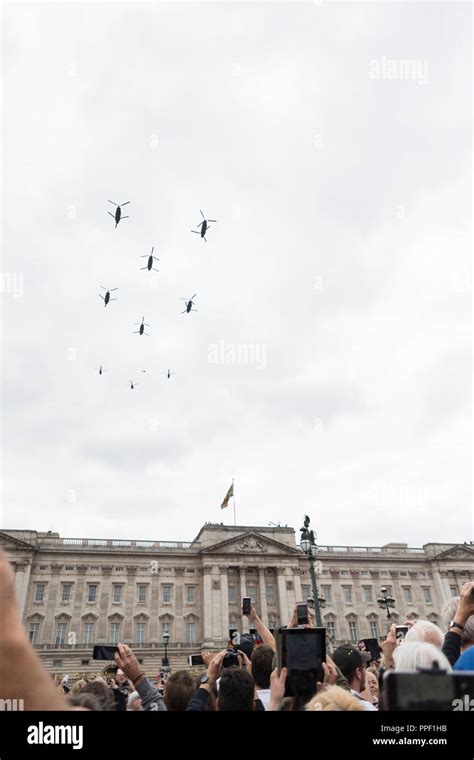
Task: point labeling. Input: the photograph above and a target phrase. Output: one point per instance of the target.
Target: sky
(327, 367)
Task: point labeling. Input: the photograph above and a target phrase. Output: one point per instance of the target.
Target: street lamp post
(385, 602)
(165, 662)
(308, 546)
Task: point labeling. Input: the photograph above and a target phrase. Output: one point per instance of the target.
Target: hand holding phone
(246, 605)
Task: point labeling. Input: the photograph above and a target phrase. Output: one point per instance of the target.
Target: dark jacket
(452, 646)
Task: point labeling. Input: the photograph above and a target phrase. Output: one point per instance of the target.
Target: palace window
(39, 592)
(92, 593)
(140, 633)
(61, 630)
(34, 632)
(66, 593)
(142, 593)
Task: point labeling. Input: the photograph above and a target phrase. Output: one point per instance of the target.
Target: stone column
(78, 605)
(216, 590)
(243, 592)
(262, 589)
(22, 580)
(129, 604)
(53, 588)
(297, 584)
(207, 606)
(282, 596)
(443, 593)
(104, 590)
(224, 604)
(180, 632)
(153, 604)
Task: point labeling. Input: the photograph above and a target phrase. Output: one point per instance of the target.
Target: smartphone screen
(372, 647)
(401, 632)
(246, 602)
(195, 659)
(302, 651)
(302, 613)
(103, 652)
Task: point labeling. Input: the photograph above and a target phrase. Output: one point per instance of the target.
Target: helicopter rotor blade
(124, 217)
(195, 232)
(194, 296)
(111, 289)
(124, 204)
(212, 220)
(113, 202)
(112, 215)
(202, 214)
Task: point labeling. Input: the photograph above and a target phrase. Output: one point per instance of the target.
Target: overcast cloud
(340, 258)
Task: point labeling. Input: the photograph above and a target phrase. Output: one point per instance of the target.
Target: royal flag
(228, 495)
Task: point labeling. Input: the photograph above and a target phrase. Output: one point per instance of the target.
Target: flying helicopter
(189, 304)
(101, 369)
(132, 384)
(150, 261)
(204, 225)
(107, 297)
(168, 373)
(118, 212)
(141, 329)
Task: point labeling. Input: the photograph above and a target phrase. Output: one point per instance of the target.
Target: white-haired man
(425, 630)
(413, 655)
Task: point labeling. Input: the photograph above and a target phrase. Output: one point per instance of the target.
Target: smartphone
(372, 647)
(195, 659)
(302, 651)
(231, 659)
(246, 602)
(427, 690)
(302, 613)
(103, 652)
(401, 632)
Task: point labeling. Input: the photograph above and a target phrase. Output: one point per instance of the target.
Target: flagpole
(233, 494)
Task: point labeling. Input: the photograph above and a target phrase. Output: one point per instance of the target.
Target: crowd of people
(247, 675)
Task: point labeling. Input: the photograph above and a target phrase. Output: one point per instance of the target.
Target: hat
(247, 643)
(348, 657)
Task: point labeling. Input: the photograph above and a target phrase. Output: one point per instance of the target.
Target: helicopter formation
(201, 230)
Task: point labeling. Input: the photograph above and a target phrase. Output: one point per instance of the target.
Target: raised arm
(264, 633)
(152, 699)
(22, 675)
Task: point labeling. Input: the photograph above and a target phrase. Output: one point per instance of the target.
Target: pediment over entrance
(251, 543)
(11, 542)
(460, 551)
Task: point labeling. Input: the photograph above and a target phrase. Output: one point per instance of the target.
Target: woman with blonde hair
(333, 698)
(78, 686)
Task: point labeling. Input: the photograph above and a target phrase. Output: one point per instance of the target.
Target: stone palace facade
(77, 592)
